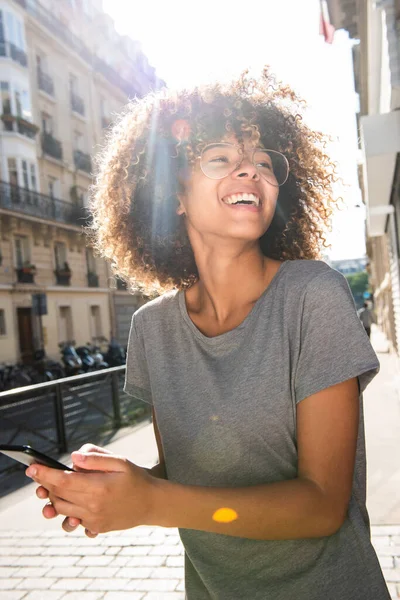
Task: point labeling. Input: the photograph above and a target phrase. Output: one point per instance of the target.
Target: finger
(57, 482)
(49, 512)
(42, 493)
(92, 448)
(70, 524)
(68, 509)
(90, 534)
(100, 462)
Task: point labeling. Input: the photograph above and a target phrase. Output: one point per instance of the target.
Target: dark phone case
(27, 455)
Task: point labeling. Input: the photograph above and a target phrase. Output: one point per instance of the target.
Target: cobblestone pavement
(145, 563)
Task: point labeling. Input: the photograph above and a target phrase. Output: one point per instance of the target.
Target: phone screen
(27, 456)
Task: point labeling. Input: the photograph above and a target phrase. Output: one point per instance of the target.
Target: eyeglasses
(220, 160)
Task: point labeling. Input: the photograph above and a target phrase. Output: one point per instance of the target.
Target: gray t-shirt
(226, 411)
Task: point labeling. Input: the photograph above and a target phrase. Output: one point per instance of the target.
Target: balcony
(121, 284)
(45, 82)
(93, 279)
(9, 50)
(77, 104)
(63, 276)
(82, 161)
(19, 125)
(26, 274)
(51, 146)
(27, 202)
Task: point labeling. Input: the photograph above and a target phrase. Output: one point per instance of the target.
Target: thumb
(93, 461)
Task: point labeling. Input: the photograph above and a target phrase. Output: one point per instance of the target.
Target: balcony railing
(82, 161)
(11, 51)
(45, 82)
(51, 146)
(21, 200)
(93, 279)
(19, 125)
(77, 104)
(59, 29)
(63, 277)
(26, 275)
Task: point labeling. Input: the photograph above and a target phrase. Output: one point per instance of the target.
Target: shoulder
(156, 309)
(313, 273)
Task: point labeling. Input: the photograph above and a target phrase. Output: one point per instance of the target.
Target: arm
(159, 469)
(312, 505)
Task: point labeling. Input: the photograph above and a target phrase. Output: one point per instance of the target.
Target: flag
(325, 27)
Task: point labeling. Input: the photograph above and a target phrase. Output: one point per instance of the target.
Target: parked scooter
(98, 356)
(88, 361)
(72, 362)
(115, 355)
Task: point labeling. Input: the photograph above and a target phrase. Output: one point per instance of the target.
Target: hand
(49, 512)
(92, 497)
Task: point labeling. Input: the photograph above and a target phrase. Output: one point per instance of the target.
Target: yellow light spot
(214, 417)
(225, 515)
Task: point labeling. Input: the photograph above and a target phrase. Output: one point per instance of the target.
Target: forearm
(290, 509)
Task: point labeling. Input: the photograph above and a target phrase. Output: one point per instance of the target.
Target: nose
(246, 170)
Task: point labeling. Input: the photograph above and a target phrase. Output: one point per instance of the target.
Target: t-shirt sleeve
(334, 346)
(137, 382)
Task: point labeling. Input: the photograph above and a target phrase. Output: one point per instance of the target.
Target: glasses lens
(219, 160)
(272, 165)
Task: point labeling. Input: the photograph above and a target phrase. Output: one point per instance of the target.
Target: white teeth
(235, 198)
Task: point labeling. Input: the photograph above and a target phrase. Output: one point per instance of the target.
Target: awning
(381, 143)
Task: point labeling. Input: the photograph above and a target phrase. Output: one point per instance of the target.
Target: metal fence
(57, 417)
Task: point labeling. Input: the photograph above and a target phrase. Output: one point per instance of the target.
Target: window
(22, 104)
(5, 96)
(60, 253)
(33, 178)
(78, 141)
(2, 322)
(73, 84)
(95, 322)
(47, 123)
(12, 171)
(25, 175)
(91, 261)
(54, 187)
(22, 251)
(14, 30)
(65, 324)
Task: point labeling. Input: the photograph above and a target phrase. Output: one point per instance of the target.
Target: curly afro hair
(134, 198)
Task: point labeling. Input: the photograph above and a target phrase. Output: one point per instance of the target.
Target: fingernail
(31, 472)
(79, 456)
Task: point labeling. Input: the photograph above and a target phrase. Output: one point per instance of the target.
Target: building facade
(64, 72)
(376, 24)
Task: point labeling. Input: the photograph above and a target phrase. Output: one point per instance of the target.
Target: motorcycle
(72, 362)
(115, 355)
(98, 357)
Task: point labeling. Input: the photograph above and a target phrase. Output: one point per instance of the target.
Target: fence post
(115, 399)
(60, 421)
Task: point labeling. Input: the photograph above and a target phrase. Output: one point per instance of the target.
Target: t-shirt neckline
(228, 335)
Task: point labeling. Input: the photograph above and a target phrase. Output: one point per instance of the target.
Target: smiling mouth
(243, 198)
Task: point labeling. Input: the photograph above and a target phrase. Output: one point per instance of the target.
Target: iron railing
(59, 416)
(82, 161)
(77, 104)
(28, 202)
(12, 51)
(51, 146)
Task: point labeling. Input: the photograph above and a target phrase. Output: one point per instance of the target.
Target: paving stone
(8, 571)
(44, 595)
(69, 584)
(134, 572)
(153, 585)
(95, 561)
(146, 561)
(12, 595)
(136, 550)
(119, 561)
(164, 596)
(168, 573)
(99, 572)
(113, 550)
(391, 575)
(61, 561)
(83, 596)
(108, 584)
(36, 583)
(9, 584)
(67, 572)
(385, 530)
(123, 596)
(7, 561)
(166, 551)
(175, 561)
(386, 562)
(32, 572)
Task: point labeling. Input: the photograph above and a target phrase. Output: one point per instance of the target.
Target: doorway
(25, 333)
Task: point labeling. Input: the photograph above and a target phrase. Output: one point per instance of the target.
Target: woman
(217, 199)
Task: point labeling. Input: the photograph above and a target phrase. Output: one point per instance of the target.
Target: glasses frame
(240, 162)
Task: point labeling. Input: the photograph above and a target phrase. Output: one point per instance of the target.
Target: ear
(181, 208)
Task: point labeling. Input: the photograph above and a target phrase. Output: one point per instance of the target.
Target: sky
(190, 42)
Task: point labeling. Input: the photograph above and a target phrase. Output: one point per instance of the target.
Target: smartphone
(27, 456)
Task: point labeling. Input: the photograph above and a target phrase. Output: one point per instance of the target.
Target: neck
(230, 280)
